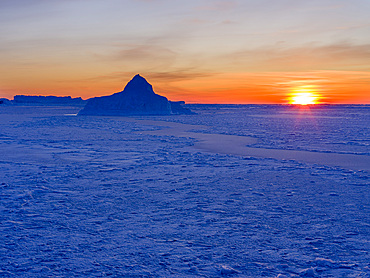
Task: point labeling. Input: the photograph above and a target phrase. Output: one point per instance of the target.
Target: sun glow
(304, 96)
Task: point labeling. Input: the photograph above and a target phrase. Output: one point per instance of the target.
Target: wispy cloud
(139, 57)
(218, 6)
(169, 76)
(340, 56)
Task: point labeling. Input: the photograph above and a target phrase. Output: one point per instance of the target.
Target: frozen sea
(233, 191)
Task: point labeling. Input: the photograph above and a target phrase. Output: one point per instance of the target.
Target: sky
(199, 51)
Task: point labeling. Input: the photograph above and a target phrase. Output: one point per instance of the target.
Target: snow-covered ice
(158, 196)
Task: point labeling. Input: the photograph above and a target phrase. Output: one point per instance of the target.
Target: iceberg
(5, 101)
(48, 100)
(137, 98)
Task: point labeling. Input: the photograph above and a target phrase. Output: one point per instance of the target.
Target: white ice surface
(121, 197)
(237, 145)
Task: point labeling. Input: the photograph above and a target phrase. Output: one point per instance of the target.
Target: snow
(158, 196)
(237, 145)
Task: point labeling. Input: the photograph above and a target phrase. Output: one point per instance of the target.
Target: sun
(303, 99)
(304, 96)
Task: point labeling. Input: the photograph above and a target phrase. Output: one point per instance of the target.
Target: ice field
(233, 191)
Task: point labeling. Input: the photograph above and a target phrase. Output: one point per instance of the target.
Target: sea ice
(130, 197)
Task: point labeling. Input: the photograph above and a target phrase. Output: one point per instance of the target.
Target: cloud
(145, 52)
(180, 75)
(161, 77)
(139, 56)
(218, 6)
(340, 56)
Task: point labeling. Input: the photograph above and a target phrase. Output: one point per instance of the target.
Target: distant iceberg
(5, 101)
(137, 98)
(48, 100)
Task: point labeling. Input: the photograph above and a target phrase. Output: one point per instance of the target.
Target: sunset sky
(200, 51)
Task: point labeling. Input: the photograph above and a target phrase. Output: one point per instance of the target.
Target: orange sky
(198, 51)
(243, 88)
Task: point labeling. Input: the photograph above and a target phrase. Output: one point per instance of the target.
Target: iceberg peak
(138, 86)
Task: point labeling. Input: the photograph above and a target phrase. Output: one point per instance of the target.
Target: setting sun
(303, 96)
